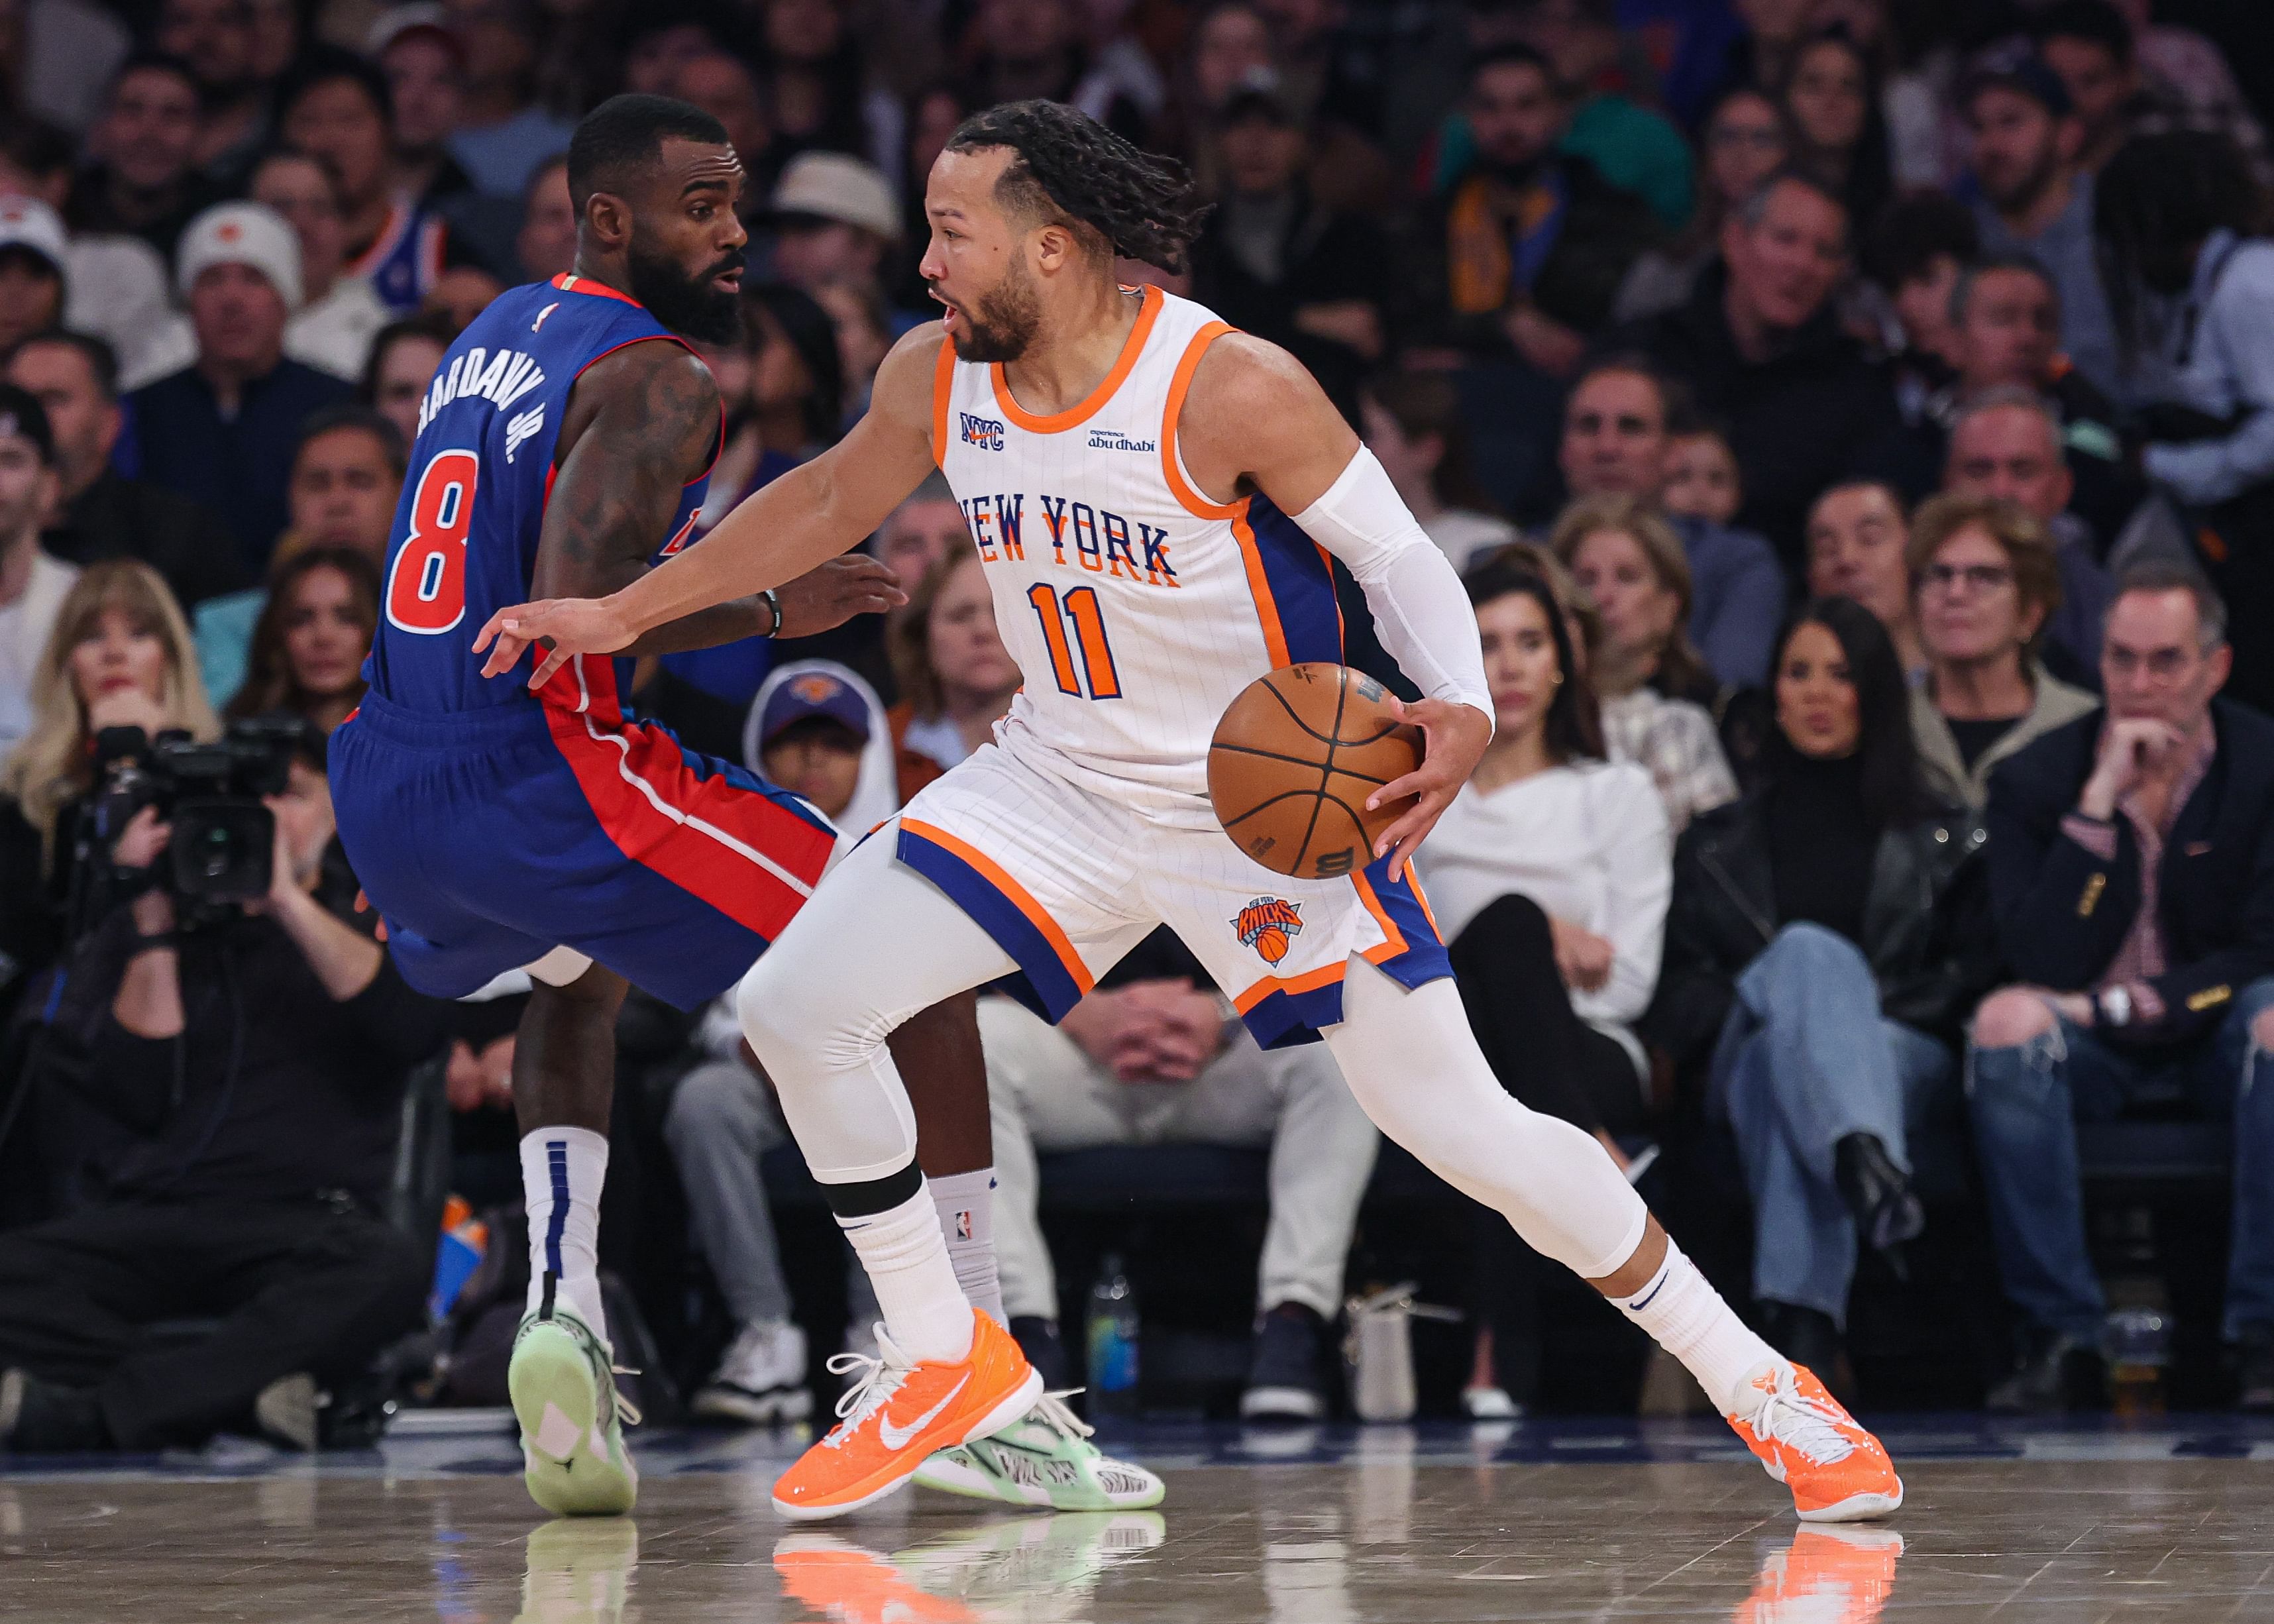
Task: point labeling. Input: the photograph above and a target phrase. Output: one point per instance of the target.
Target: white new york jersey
(1136, 607)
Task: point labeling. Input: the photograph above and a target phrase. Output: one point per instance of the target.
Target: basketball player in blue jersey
(1150, 491)
(564, 446)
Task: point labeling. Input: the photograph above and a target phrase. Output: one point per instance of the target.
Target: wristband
(151, 943)
(774, 603)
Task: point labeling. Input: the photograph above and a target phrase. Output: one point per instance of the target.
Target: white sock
(562, 1170)
(905, 1255)
(1691, 1323)
(967, 1217)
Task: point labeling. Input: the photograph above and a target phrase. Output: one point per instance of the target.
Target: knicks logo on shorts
(1266, 923)
(984, 432)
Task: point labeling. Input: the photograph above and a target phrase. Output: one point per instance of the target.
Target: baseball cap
(835, 187)
(2014, 65)
(23, 417)
(30, 224)
(249, 234)
(424, 17)
(810, 694)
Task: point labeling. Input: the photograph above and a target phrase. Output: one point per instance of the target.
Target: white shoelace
(879, 1380)
(1051, 1411)
(626, 1410)
(1804, 1424)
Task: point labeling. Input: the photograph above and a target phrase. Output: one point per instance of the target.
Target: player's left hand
(1456, 736)
(835, 593)
(568, 625)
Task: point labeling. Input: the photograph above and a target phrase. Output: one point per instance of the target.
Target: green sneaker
(572, 1438)
(1044, 1461)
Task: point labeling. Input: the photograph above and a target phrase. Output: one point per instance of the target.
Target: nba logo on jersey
(984, 433)
(963, 1226)
(1266, 924)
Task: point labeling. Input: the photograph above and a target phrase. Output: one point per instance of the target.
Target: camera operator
(257, 1052)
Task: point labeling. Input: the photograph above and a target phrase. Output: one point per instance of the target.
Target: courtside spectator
(214, 38)
(1760, 348)
(338, 108)
(955, 677)
(144, 181)
(925, 529)
(100, 513)
(1274, 260)
(1913, 256)
(220, 431)
(32, 287)
(546, 242)
(33, 585)
(404, 354)
(1617, 439)
(2007, 442)
(1703, 480)
(258, 1065)
(117, 655)
(339, 314)
(1413, 423)
(425, 70)
(1832, 96)
(1858, 548)
(1985, 583)
(1525, 252)
(1818, 969)
(2034, 199)
(1549, 876)
(2090, 45)
(2130, 857)
(834, 218)
(1746, 140)
(1154, 1056)
(346, 480)
(115, 285)
(2185, 240)
(1655, 695)
(501, 133)
(309, 644)
(816, 730)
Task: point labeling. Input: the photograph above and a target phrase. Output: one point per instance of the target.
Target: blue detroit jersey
(464, 540)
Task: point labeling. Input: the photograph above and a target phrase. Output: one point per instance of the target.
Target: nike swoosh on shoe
(896, 1438)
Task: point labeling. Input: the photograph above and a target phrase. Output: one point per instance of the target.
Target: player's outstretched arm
(798, 523)
(1256, 419)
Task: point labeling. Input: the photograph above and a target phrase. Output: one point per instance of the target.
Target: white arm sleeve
(1419, 607)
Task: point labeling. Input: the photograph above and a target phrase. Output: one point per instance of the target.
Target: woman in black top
(1817, 965)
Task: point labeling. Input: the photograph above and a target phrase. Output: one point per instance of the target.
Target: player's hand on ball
(566, 625)
(1456, 736)
(834, 594)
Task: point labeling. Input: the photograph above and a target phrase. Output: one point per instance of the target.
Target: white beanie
(249, 234)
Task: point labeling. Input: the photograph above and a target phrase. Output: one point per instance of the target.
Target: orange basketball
(1294, 759)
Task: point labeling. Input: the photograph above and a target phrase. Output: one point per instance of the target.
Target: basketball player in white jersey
(1155, 497)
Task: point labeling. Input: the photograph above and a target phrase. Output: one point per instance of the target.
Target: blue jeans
(1804, 1060)
(2027, 1102)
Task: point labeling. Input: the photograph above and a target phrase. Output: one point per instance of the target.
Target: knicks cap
(23, 417)
(30, 225)
(808, 694)
(836, 187)
(249, 234)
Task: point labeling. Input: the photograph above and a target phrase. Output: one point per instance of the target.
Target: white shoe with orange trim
(1837, 1472)
(899, 1413)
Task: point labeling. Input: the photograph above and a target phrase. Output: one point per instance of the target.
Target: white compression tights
(878, 942)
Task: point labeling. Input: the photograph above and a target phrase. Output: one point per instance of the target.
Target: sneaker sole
(550, 1382)
(1281, 1404)
(1020, 1401)
(1857, 1508)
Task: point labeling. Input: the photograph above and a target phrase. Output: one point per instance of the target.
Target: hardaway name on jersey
(464, 541)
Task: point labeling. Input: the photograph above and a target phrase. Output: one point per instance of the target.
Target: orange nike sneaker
(899, 1413)
(1846, 1574)
(1836, 1471)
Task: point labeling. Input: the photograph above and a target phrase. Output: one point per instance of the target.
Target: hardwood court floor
(1571, 1521)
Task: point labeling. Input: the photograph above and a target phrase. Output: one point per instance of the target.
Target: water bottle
(1378, 1351)
(2137, 1344)
(1114, 1329)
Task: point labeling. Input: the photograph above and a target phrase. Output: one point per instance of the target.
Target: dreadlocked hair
(1068, 167)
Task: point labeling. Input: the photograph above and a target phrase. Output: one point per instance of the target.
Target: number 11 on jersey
(1080, 608)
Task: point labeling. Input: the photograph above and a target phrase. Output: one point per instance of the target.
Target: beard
(693, 307)
(1003, 324)
(2026, 186)
(1518, 174)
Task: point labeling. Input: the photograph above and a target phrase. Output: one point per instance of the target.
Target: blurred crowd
(1854, 421)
